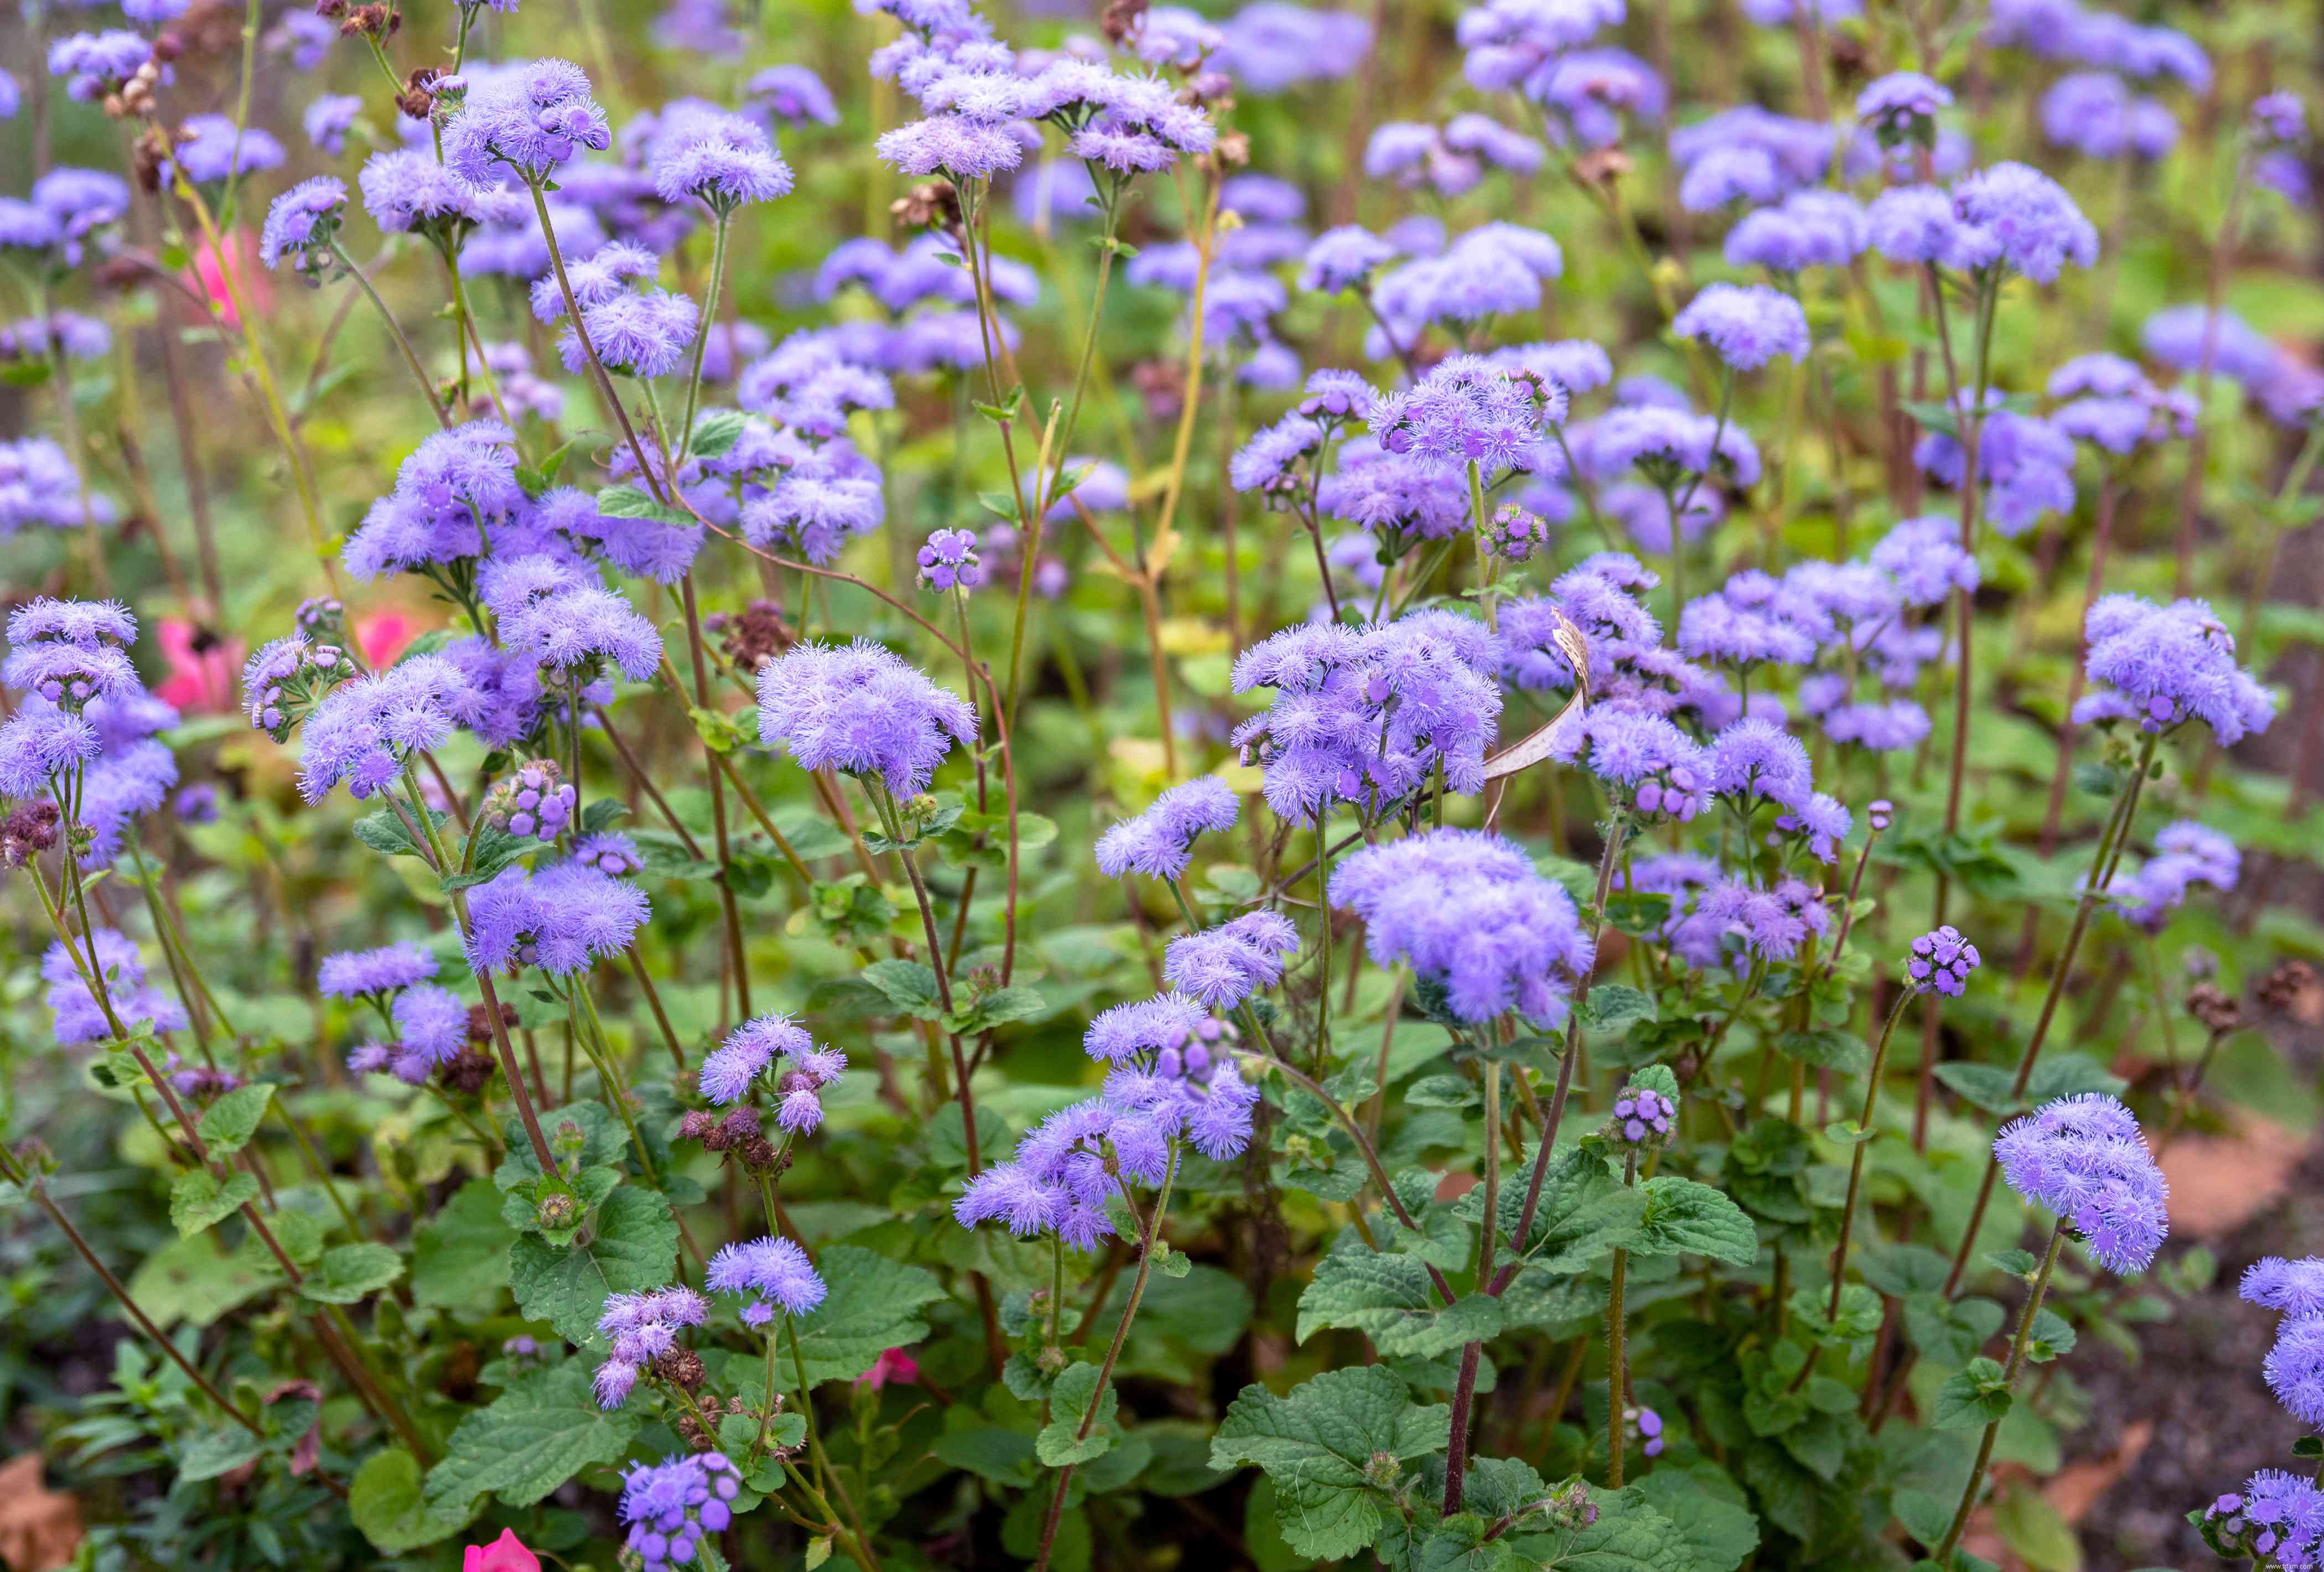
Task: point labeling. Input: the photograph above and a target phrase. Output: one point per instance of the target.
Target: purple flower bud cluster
(948, 560)
(769, 1275)
(1941, 961)
(863, 710)
(671, 1505)
(2163, 666)
(1662, 769)
(1160, 843)
(639, 1329)
(1641, 1118)
(1172, 1062)
(2085, 1159)
(1515, 533)
(534, 801)
(777, 1050)
(302, 224)
(1365, 716)
(1225, 965)
(1902, 107)
(609, 852)
(1479, 927)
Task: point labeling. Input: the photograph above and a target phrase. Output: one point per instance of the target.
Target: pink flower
(505, 1554)
(382, 636)
(208, 277)
(202, 668)
(895, 1365)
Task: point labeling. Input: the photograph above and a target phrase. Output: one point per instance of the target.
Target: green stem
(2017, 1346)
(709, 323)
(1863, 1141)
(1617, 1374)
(395, 331)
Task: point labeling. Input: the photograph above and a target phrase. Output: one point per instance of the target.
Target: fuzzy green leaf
(352, 1272)
(228, 1123)
(873, 1305)
(1976, 1395)
(387, 1503)
(1391, 1300)
(545, 1429)
(1317, 1444)
(197, 1201)
(633, 1248)
(1682, 1215)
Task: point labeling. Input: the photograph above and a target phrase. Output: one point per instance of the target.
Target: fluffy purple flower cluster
(373, 974)
(2277, 1519)
(1365, 716)
(1482, 931)
(1065, 1171)
(1941, 960)
(753, 1051)
(1225, 965)
(1746, 325)
(2111, 405)
(533, 120)
(431, 1029)
(671, 1505)
(723, 161)
(2163, 666)
(1172, 1061)
(2007, 216)
(767, 1275)
(863, 710)
(67, 208)
(1160, 842)
(363, 733)
(2025, 464)
(303, 223)
(2085, 1159)
(639, 1329)
(1661, 769)
(2295, 1365)
(642, 332)
(1810, 228)
(2186, 854)
(78, 1016)
(562, 918)
(1469, 411)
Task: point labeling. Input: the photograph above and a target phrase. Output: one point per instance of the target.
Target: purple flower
(1469, 411)
(1482, 931)
(1063, 1175)
(1748, 154)
(1594, 88)
(2293, 1287)
(792, 94)
(1641, 1120)
(1772, 922)
(534, 120)
(406, 190)
(1918, 224)
(362, 734)
(430, 1023)
(1902, 106)
(952, 145)
(1941, 960)
(212, 147)
(1342, 259)
(2034, 225)
(2295, 1368)
(1754, 619)
(1813, 229)
(2165, 665)
(1159, 842)
(574, 633)
(1225, 964)
(2085, 1158)
(1821, 821)
(723, 160)
(2278, 1519)
(1366, 715)
(356, 973)
(769, 1275)
(862, 709)
(1669, 444)
(2280, 117)
(304, 220)
(1664, 769)
(2186, 854)
(95, 64)
(328, 119)
(1271, 45)
(1269, 462)
(78, 1018)
(533, 801)
(1390, 494)
(1493, 269)
(1136, 1032)
(1757, 758)
(2185, 338)
(561, 919)
(455, 486)
(949, 559)
(1925, 556)
(1746, 324)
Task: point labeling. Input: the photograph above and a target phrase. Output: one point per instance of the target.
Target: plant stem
(709, 323)
(395, 331)
(646, 471)
(2018, 1345)
(1863, 1141)
(1617, 1373)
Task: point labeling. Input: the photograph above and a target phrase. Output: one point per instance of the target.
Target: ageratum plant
(1478, 787)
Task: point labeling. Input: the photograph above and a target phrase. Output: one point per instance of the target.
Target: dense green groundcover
(309, 1273)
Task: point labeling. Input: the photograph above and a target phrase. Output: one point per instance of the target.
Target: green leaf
(633, 1248)
(715, 432)
(387, 1504)
(999, 1456)
(197, 1201)
(1391, 1300)
(909, 985)
(1317, 1444)
(1613, 1007)
(2052, 1337)
(2069, 1075)
(352, 1272)
(1976, 1394)
(2037, 1531)
(2015, 1263)
(545, 1429)
(1630, 1535)
(1682, 1215)
(998, 1008)
(383, 832)
(1443, 1092)
(1586, 1212)
(947, 1147)
(228, 1123)
(1827, 1050)
(26, 373)
(1709, 1510)
(214, 1453)
(460, 1256)
(1982, 1085)
(1060, 1442)
(872, 1305)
